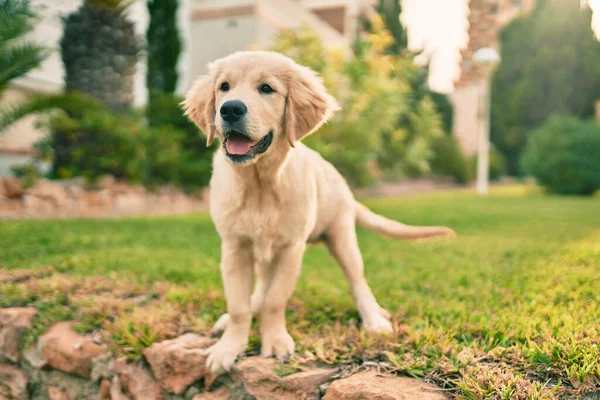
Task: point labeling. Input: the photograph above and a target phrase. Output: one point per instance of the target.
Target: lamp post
(487, 59)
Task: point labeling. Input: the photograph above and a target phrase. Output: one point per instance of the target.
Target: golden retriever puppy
(270, 195)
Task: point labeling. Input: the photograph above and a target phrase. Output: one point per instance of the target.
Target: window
(334, 17)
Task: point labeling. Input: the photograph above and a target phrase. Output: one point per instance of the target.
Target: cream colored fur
(268, 209)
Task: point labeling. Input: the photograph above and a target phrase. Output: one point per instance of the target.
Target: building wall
(234, 25)
(217, 37)
(22, 135)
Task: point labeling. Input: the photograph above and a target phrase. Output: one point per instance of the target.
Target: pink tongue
(238, 146)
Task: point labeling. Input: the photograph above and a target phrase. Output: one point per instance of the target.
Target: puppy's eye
(266, 89)
(224, 87)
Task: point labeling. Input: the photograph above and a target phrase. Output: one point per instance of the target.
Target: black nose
(233, 110)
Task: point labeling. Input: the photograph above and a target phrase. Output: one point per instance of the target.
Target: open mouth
(240, 148)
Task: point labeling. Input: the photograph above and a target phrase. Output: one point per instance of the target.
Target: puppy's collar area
(239, 148)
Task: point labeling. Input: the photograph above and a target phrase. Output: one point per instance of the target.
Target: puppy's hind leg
(343, 245)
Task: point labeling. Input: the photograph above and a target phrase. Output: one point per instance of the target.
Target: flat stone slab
(370, 385)
(13, 323)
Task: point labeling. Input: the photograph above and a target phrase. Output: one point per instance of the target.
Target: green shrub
(88, 139)
(564, 155)
(448, 160)
(497, 165)
(380, 129)
(92, 141)
(194, 159)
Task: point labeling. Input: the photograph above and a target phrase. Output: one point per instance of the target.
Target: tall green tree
(164, 46)
(551, 65)
(17, 57)
(390, 11)
(100, 51)
(364, 139)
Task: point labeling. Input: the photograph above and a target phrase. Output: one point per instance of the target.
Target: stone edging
(65, 365)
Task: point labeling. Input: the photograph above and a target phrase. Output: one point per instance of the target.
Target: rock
(308, 382)
(257, 376)
(37, 205)
(34, 358)
(103, 367)
(104, 389)
(75, 191)
(42, 378)
(105, 182)
(220, 394)
(51, 191)
(63, 349)
(11, 188)
(178, 363)
(57, 393)
(11, 206)
(13, 383)
(13, 323)
(370, 385)
(115, 391)
(191, 392)
(78, 181)
(136, 382)
(129, 202)
(90, 199)
(258, 379)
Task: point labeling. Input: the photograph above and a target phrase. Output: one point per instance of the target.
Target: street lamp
(487, 59)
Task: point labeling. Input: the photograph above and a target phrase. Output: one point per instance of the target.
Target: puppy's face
(256, 102)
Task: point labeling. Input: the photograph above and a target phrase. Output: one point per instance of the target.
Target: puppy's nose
(233, 110)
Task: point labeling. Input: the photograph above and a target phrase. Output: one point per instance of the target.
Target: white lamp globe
(486, 57)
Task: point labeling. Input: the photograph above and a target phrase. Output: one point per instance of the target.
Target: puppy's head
(255, 102)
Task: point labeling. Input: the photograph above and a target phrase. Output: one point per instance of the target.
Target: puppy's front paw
(377, 323)
(223, 354)
(277, 343)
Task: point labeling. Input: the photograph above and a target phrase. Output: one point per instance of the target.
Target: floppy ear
(199, 106)
(308, 104)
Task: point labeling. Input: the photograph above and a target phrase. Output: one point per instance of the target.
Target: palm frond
(43, 104)
(16, 61)
(13, 112)
(16, 19)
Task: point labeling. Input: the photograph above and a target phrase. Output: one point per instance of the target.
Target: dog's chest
(265, 217)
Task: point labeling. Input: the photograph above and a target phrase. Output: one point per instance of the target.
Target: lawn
(509, 306)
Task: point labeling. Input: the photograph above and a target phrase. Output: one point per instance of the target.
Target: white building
(209, 28)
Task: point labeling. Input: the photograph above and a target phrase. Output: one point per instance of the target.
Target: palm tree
(17, 57)
(100, 50)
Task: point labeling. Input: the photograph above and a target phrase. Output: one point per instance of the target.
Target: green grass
(510, 308)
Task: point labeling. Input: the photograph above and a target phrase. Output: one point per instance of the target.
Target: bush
(194, 160)
(365, 139)
(87, 139)
(563, 155)
(448, 160)
(497, 165)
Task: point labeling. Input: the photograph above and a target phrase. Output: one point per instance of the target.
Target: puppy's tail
(395, 230)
